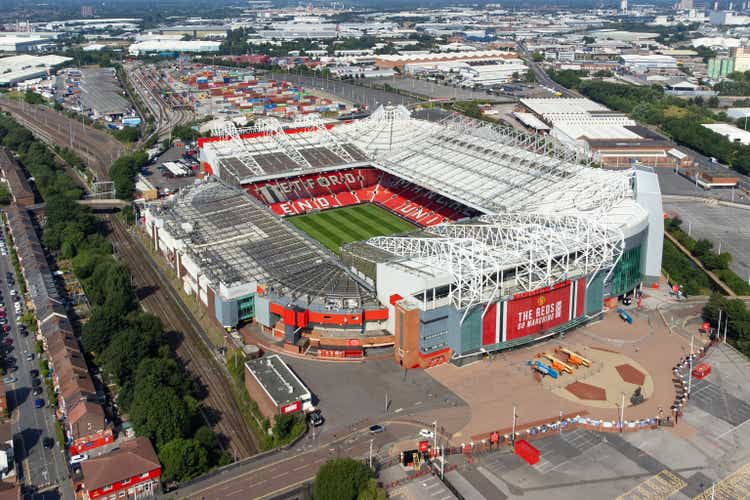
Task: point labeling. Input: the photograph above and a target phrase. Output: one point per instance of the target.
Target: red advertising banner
(291, 407)
(424, 446)
(532, 314)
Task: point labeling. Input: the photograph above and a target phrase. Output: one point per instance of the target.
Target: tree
(159, 413)
(372, 491)
(341, 479)
(183, 459)
(283, 425)
(537, 56)
(32, 97)
(5, 197)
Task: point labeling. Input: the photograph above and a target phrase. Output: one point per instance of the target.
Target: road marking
(285, 488)
(300, 467)
(399, 410)
(235, 492)
(732, 429)
(282, 474)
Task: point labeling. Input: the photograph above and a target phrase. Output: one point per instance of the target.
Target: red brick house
(132, 471)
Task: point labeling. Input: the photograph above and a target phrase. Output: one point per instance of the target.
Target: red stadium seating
(321, 191)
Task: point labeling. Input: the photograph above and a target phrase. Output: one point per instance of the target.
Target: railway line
(98, 149)
(164, 303)
(167, 117)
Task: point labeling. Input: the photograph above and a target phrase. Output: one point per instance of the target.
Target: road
(38, 466)
(280, 472)
(220, 409)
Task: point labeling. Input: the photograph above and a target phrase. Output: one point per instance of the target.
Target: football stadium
(445, 239)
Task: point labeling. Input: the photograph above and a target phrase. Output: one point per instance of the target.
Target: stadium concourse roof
(236, 241)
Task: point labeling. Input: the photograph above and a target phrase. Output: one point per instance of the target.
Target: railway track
(167, 305)
(166, 117)
(98, 149)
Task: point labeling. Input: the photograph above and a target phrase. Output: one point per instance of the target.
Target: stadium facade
(517, 237)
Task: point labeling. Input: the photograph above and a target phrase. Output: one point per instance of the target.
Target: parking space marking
(658, 487)
(736, 485)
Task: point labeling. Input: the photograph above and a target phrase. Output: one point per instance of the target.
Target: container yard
(217, 91)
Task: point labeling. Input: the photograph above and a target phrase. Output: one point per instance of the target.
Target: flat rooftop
(281, 385)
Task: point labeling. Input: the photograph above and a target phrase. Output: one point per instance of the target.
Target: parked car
(7, 341)
(36, 382)
(39, 403)
(48, 442)
(76, 459)
(376, 429)
(37, 391)
(6, 329)
(10, 380)
(316, 418)
(29, 356)
(34, 372)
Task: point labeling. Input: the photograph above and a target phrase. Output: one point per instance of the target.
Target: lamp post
(513, 429)
(690, 373)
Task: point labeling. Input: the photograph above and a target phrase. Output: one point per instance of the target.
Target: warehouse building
(17, 69)
(610, 137)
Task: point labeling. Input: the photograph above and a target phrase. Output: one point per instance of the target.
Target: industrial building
(731, 132)
(642, 63)
(275, 388)
(17, 69)
(518, 237)
(23, 42)
(172, 46)
(401, 60)
(610, 137)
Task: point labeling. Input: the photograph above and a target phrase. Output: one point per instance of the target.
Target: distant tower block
(623, 6)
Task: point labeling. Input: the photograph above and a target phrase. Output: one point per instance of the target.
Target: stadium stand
(321, 191)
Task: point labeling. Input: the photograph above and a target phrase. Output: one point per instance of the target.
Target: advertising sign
(291, 407)
(531, 314)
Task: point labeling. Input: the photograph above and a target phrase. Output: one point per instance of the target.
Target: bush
(341, 479)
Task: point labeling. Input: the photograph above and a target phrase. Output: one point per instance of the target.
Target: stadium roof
(254, 246)
(488, 168)
(500, 255)
(550, 215)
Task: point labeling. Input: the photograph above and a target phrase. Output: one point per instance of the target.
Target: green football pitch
(338, 226)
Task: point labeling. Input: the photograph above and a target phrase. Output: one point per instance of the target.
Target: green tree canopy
(341, 479)
(183, 459)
